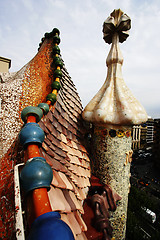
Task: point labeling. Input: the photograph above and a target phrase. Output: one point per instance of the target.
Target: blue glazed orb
(30, 110)
(44, 107)
(37, 173)
(31, 132)
(50, 226)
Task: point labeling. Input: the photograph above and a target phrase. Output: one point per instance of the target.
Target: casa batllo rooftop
(65, 170)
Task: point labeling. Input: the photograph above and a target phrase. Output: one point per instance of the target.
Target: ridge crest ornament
(117, 22)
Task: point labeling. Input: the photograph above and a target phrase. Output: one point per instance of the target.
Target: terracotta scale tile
(50, 153)
(63, 161)
(85, 164)
(63, 199)
(59, 128)
(60, 152)
(57, 197)
(41, 124)
(77, 115)
(66, 220)
(80, 221)
(87, 172)
(61, 184)
(56, 165)
(74, 138)
(65, 113)
(66, 181)
(76, 202)
(50, 116)
(75, 145)
(63, 137)
(76, 191)
(73, 177)
(54, 140)
(64, 122)
(79, 181)
(55, 200)
(46, 140)
(52, 130)
(52, 108)
(87, 182)
(69, 110)
(64, 130)
(45, 146)
(81, 171)
(54, 182)
(67, 84)
(72, 169)
(47, 124)
(69, 143)
(76, 170)
(69, 199)
(67, 96)
(64, 147)
(55, 122)
(82, 193)
(58, 106)
(77, 153)
(82, 148)
(75, 126)
(56, 114)
(74, 159)
(73, 222)
(85, 156)
(59, 103)
(70, 135)
(52, 147)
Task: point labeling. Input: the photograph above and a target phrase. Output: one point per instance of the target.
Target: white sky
(24, 22)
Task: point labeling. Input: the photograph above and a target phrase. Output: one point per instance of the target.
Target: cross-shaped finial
(117, 22)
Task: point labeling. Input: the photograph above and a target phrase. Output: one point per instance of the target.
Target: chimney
(113, 111)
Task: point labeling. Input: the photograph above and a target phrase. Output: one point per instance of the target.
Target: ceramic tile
(76, 227)
(61, 184)
(66, 181)
(80, 221)
(55, 200)
(69, 200)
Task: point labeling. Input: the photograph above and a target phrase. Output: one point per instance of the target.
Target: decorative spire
(114, 104)
(116, 22)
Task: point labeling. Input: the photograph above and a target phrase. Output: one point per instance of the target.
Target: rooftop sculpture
(114, 103)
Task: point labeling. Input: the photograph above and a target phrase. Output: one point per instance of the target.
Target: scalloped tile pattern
(63, 149)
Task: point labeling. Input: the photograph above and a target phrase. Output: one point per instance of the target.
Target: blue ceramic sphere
(37, 173)
(50, 226)
(31, 132)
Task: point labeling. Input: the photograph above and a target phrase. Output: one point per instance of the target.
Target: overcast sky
(24, 22)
